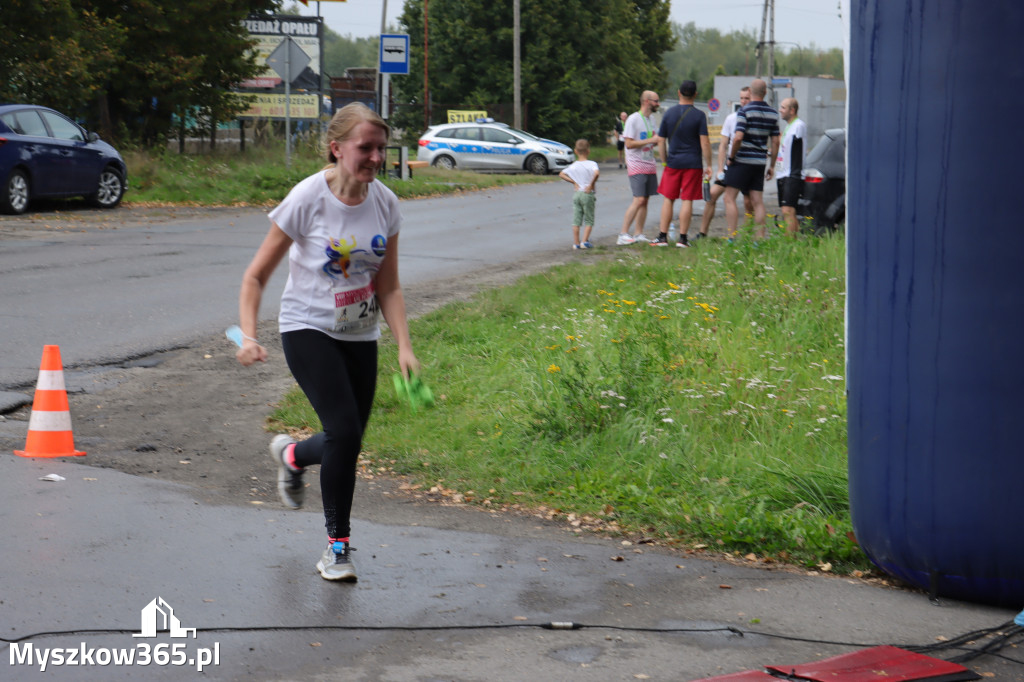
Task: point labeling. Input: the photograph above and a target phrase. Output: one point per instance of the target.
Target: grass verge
(692, 397)
(260, 177)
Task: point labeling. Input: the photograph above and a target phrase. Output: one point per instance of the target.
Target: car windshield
(525, 134)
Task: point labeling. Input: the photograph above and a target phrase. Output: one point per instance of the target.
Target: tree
(582, 61)
(179, 54)
(56, 54)
(343, 52)
(128, 65)
(809, 61)
(701, 53)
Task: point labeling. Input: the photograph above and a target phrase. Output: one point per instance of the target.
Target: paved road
(107, 291)
(433, 602)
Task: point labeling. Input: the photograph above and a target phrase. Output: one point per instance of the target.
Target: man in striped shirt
(756, 142)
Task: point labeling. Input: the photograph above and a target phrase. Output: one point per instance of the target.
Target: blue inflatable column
(935, 291)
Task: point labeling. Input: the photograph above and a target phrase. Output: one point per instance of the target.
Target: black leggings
(339, 379)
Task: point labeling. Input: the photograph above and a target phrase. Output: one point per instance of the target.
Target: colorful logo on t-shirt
(339, 256)
(344, 259)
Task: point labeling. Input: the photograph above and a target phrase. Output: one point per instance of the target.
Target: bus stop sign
(394, 53)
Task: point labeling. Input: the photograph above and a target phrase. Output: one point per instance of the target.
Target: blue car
(45, 154)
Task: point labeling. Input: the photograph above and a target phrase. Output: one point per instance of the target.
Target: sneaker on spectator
(576, 247)
(660, 241)
(699, 236)
(640, 238)
(336, 564)
(683, 245)
(586, 245)
(624, 239)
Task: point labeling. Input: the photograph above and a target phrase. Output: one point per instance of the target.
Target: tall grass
(695, 396)
(261, 176)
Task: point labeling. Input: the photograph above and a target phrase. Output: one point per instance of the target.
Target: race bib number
(355, 310)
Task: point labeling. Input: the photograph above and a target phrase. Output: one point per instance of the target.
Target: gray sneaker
(289, 482)
(335, 563)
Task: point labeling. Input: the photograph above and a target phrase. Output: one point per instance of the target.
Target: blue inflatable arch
(935, 291)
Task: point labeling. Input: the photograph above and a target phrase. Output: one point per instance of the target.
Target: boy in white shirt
(582, 173)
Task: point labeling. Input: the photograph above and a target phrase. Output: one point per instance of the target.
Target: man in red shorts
(683, 144)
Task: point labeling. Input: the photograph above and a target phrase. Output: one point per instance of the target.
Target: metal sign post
(286, 59)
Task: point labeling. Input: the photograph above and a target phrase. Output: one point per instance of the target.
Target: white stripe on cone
(49, 421)
(50, 380)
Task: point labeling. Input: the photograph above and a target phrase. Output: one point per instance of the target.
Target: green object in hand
(414, 390)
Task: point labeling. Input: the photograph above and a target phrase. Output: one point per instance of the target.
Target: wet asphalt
(83, 556)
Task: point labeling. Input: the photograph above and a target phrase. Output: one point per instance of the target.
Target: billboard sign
(273, 105)
(270, 32)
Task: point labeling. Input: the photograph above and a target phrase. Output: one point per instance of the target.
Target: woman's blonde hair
(345, 121)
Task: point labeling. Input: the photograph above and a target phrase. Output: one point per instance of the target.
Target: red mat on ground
(748, 676)
(881, 662)
(888, 663)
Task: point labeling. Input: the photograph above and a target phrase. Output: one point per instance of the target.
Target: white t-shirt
(334, 258)
(641, 159)
(582, 172)
(795, 129)
(728, 131)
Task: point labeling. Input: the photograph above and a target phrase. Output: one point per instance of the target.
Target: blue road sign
(394, 53)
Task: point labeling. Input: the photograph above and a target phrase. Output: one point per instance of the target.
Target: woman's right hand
(251, 352)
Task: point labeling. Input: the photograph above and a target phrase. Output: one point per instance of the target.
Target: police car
(486, 145)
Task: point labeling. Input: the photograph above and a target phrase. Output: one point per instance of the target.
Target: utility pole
(771, 53)
(761, 42)
(517, 106)
(767, 38)
(426, 54)
(381, 89)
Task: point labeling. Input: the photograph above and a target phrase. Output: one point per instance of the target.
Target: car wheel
(445, 162)
(111, 189)
(15, 195)
(537, 165)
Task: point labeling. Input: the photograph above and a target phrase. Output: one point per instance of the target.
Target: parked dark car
(824, 174)
(45, 154)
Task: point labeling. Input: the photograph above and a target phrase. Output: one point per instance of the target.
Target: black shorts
(789, 191)
(721, 183)
(622, 145)
(746, 177)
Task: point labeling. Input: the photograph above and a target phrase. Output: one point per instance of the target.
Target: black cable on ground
(1000, 637)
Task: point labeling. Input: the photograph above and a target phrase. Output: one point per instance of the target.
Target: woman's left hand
(408, 363)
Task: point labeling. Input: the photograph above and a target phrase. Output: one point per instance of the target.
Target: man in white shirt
(641, 140)
(718, 186)
(790, 161)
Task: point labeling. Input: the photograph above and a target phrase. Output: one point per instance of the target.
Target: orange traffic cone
(49, 427)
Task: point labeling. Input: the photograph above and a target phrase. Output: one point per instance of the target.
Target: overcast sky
(800, 22)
